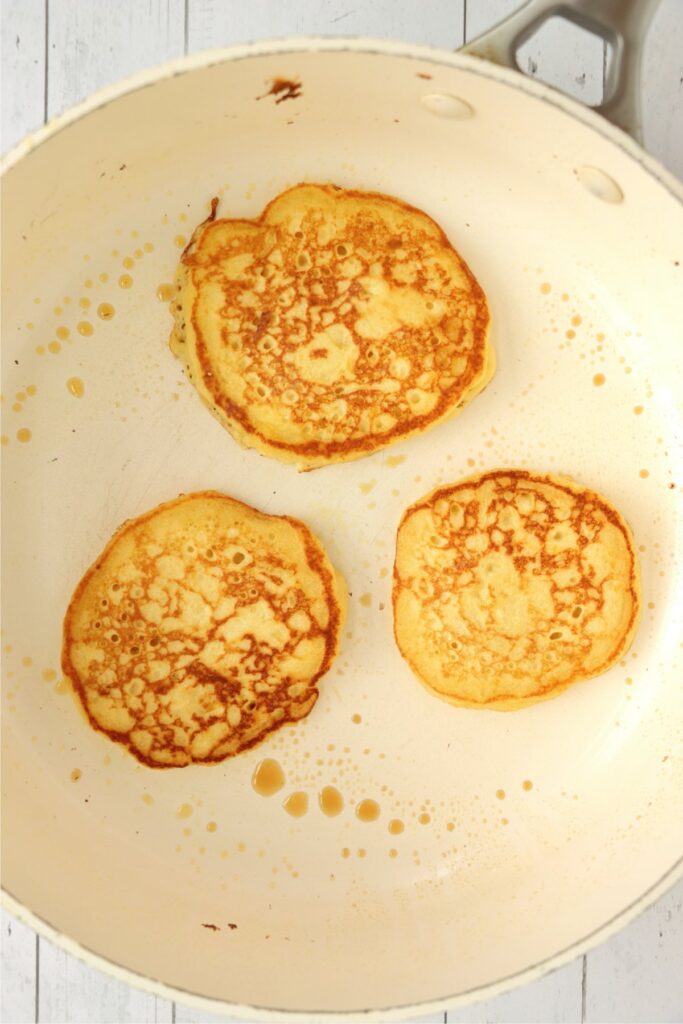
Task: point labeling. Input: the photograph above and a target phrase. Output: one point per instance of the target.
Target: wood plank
(481, 15)
(187, 1015)
(663, 86)
(23, 69)
(560, 54)
(94, 42)
(219, 23)
(18, 978)
(69, 991)
(551, 1000)
(637, 976)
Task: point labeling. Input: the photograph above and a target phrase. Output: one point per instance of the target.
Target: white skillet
(577, 237)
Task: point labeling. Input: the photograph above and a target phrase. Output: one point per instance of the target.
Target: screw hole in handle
(621, 23)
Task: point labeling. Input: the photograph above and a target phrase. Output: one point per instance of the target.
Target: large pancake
(203, 626)
(511, 586)
(331, 326)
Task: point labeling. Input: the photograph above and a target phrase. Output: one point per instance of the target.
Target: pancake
(203, 626)
(335, 324)
(511, 586)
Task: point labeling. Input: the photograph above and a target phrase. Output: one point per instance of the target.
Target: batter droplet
(268, 777)
(368, 810)
(331, 801)
(296, 804)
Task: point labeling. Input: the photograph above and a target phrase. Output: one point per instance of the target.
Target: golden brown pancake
(511, 586)
(203, 626)
(335, 324)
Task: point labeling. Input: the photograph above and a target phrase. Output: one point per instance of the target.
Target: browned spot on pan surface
(283, 89)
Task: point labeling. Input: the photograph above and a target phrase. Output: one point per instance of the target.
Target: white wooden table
(54, 53)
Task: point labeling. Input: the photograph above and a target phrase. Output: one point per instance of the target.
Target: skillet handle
(622, 23)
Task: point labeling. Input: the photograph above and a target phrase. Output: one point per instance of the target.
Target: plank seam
(47, 59)
(584, 976)
(37, 985)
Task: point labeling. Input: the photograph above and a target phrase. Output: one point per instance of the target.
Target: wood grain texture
(186, 1015)
(94, 42)
(663, 89)
(217, 22)
(18, 979)
(69, 992)
(22, 31)
(638, 975)
(555, 999)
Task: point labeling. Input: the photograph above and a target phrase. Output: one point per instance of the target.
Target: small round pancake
(335, 324)
(511, 586)
(203, 626)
